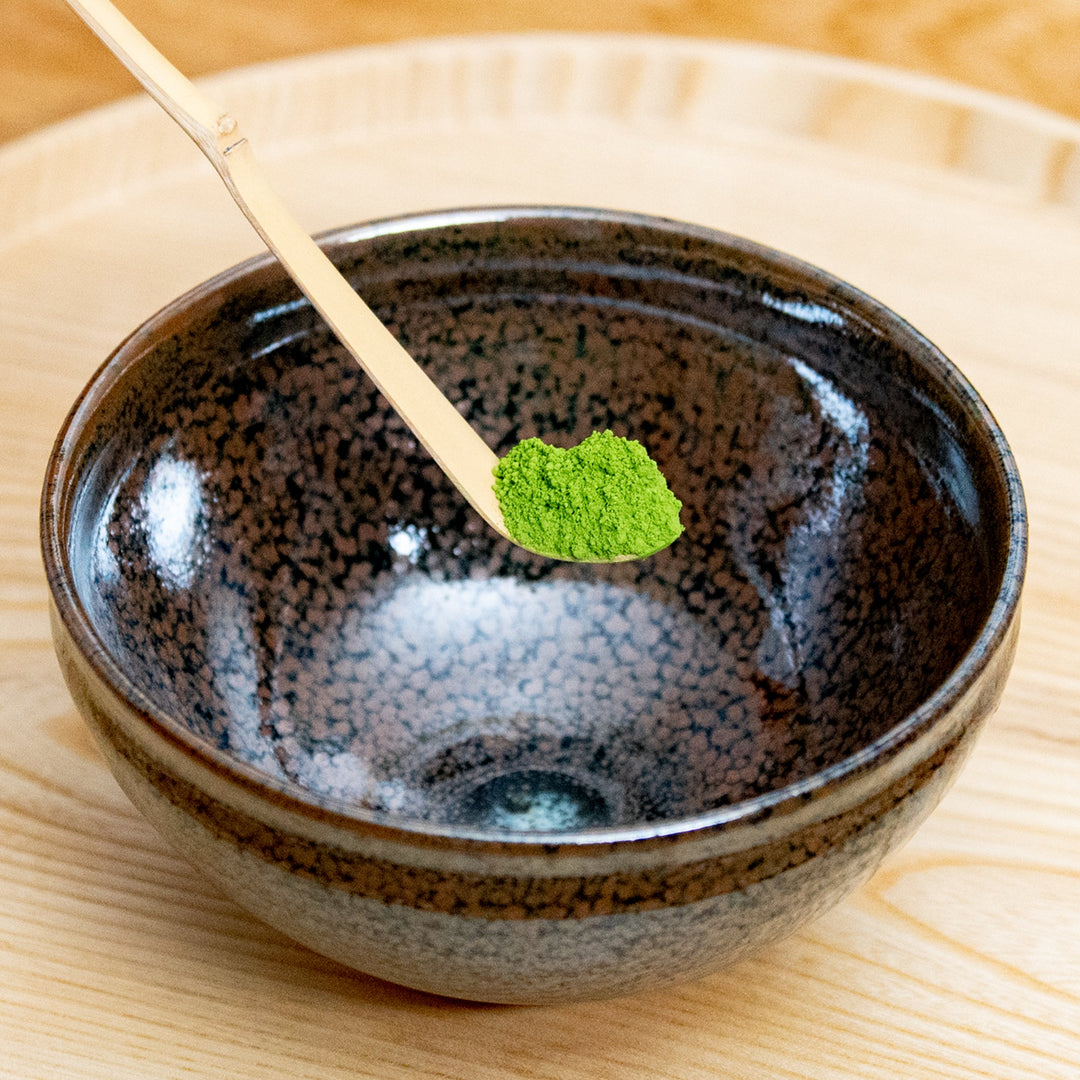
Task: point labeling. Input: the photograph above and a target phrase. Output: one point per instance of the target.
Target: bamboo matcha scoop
(554, 498)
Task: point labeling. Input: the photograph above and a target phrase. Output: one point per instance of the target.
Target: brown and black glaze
(290, 630)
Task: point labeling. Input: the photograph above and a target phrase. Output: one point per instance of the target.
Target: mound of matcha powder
(601, 500)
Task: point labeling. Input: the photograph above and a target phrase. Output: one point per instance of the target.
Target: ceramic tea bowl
(449, 763)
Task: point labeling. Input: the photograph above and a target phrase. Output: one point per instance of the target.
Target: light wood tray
(961, 958)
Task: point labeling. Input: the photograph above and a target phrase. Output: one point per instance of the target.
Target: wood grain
(961, 958)
(1030, 49)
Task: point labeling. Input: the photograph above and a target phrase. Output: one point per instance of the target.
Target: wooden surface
(961, 958)
(1024, 48)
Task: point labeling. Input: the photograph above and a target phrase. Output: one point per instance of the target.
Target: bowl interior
(273, 566)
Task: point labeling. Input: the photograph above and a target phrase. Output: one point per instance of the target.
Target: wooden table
(1024, 48)
(961, 958)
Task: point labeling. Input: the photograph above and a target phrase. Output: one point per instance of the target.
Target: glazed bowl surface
(442, 760)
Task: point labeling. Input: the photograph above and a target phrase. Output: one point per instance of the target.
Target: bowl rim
(916, 724)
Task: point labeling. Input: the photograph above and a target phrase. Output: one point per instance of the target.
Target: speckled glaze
(452, 764)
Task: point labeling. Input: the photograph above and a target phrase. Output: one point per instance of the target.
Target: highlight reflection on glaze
(171, 506)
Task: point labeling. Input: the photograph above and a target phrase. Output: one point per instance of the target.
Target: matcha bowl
(446, 762)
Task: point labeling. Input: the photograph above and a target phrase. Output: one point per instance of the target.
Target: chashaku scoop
(441, 429)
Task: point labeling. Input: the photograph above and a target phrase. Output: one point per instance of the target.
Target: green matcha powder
(602, 500)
